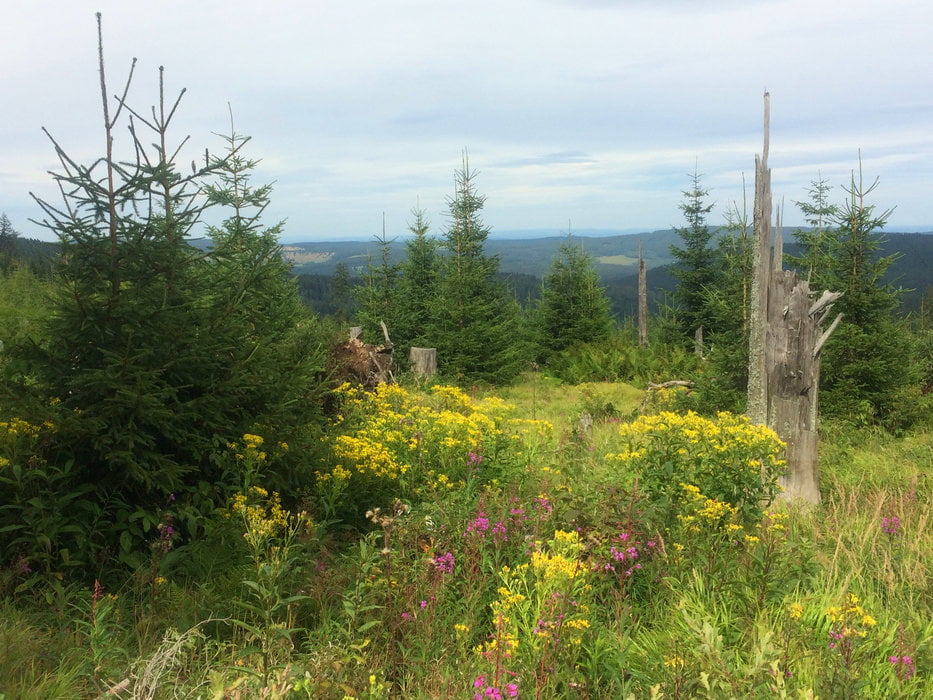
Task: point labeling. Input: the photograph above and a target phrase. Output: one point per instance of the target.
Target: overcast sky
(582, 113)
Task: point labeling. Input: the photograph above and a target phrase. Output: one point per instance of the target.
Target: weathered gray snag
(761, 259)
(785, 340)
(642, 301)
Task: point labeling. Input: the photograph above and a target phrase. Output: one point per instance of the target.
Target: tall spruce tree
(867, 361)
(341, 293)
(475, 319)
(726, 305)
(819, 214)
(8, 243)
(695, 262)
(573, 307)
(266, 352)
(164, 352)
(418, 283)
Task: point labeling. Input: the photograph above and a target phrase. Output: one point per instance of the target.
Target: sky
(576, 114)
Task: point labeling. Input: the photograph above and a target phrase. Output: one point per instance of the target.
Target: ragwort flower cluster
(727, 459)
(542, 610)
(413, 444)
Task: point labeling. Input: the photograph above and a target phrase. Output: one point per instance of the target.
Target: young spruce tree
(418, 283)
(695, 264)
(162, 352)
(377, 298)
(573, 308)
(475, 325)
(867, 361)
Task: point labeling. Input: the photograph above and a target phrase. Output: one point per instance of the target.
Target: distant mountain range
(613, 253)
(525, 259)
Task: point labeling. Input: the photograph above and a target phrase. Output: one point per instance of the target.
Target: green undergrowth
(543, 541)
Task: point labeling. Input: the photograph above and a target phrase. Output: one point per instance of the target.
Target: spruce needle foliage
(158, 353)
(867, 362)
(419, 279)
(694, 262)
(573, 308)
(475, 318)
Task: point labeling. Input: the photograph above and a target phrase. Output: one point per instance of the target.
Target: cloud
(589, 108)
(562, 157)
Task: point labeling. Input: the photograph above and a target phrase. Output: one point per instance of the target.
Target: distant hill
(524, 261)
(615, 256)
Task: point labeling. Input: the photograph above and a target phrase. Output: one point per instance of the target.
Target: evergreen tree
(573, 308)
(161, 354)
(418, 283)
(819, 213)
(8, 238)
(695, 264)
(378, 297)
(266, 351)
(866, 363)
(342, 293)
(475, 318)
(723, 385)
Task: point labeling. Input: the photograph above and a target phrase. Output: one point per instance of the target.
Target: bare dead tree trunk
(784, 347)
(642, 301)
(757, 389)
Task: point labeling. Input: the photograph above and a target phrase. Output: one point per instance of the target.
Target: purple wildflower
(444, 562)
(479, 525)
(891, 525)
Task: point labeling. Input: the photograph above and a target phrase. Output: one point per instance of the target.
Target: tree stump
(423, 361)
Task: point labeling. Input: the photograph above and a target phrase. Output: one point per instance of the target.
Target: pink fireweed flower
(479, 525)
(903, 667)
(891, 525)
(511, 690)
(500, 532)
(444, 562)
(473, 458)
